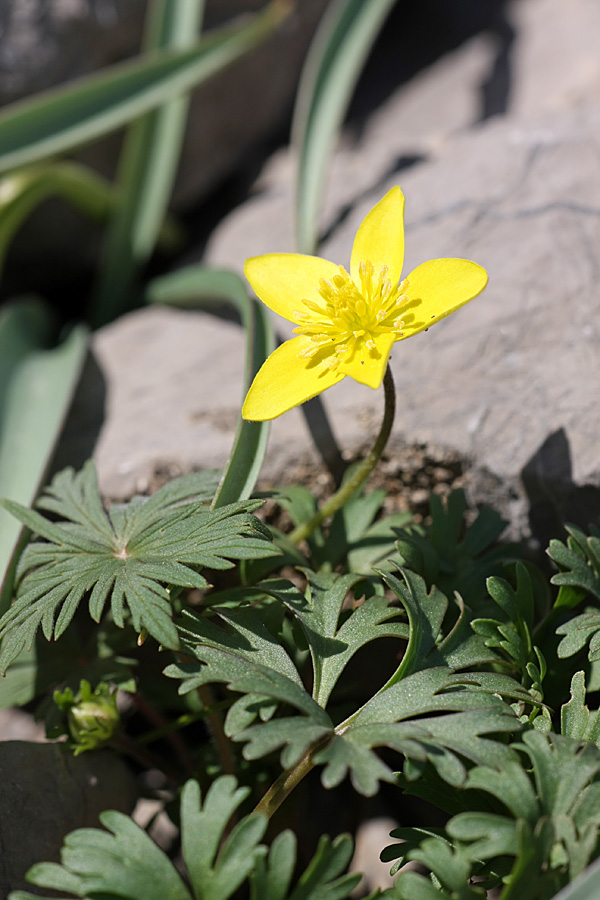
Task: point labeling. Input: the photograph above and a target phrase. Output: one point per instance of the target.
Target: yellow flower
(347, 323)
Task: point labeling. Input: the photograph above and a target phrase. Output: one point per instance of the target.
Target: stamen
(352, 314)
(314, 307)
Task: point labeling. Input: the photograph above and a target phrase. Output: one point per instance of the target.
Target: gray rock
(372, 835)
(509, 382)
(18, 725)
(46, 793)
(46, 42)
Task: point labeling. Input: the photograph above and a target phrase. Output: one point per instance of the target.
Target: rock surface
(509, 382)
(47, 792)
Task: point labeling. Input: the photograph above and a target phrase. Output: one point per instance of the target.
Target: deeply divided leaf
(129, 556)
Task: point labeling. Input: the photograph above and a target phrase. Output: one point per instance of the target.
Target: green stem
(288, 780)
(361, 473)
(283, 786)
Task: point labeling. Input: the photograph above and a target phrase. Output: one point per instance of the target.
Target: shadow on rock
(496, 87)
(553, 498)
(84, 421)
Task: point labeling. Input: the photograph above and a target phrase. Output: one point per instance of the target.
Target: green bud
(92, 716)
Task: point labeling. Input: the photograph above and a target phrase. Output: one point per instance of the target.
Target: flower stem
(288, 780)
(361, 473)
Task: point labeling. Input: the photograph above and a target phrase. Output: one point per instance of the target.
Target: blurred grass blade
(61, 119)
(147, 166)
(196, 287)
(332, 68)
(36, 388)
(585, 887)
(80, 187)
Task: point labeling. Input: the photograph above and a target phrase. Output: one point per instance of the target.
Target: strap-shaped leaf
(195, 287)
(37, 384)
(67, 117)
(332, 68)
(147, 166)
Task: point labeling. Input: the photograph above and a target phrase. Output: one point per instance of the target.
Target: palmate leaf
(123, 863)
(542, 834)
(427, 712)
(251, 662)
(272, 875)
(576, 720)
(403, 718)
(579, 631)
(453, 555)
(579, 564)
(103, 656)
(333, 637)
(511, 632)
(427, 611)
(131, 555)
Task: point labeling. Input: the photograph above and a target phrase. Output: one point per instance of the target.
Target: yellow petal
(436, 289)
(380, 238)
(286, 379)
(366, 365)
(283, 280)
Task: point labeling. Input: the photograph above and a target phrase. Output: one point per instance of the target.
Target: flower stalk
(361, 473)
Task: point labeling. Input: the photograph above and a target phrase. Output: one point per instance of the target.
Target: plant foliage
(122, 861)
(131, 555)
(425, 710)
(530, 829)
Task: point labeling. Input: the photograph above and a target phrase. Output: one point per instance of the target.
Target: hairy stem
(361, 473)
(283, 786)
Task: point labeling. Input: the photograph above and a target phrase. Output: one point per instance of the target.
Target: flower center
(351, 315)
